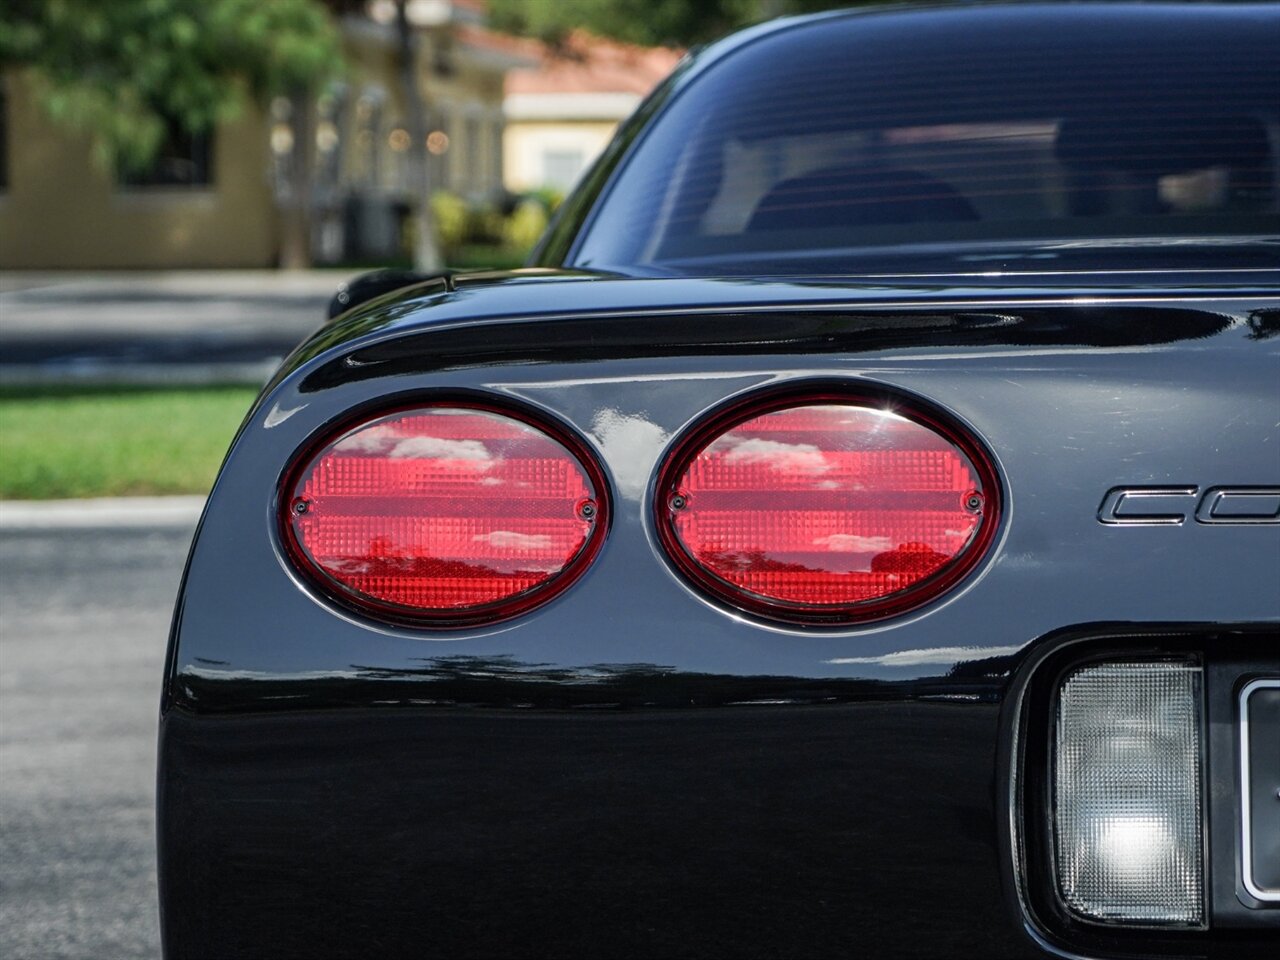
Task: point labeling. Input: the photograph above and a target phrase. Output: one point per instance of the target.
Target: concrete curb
(137, 374)
(161, 512)
(53, 284)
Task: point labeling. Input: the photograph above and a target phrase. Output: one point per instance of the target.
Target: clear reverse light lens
(1127, 793)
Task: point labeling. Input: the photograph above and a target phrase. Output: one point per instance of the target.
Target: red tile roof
(481, 38)
(585, 63)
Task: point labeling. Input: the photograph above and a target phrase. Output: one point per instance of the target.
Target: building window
(185, 160)
(560, 168)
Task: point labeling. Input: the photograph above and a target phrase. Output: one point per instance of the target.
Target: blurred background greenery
(310, 131)
(254, 141)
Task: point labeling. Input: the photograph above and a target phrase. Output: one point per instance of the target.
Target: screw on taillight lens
(446, 514)
(827, 508)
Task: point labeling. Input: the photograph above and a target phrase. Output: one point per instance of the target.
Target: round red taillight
(447, 514)
(827, 508)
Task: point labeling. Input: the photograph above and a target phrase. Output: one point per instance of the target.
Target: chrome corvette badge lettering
(1159, 506)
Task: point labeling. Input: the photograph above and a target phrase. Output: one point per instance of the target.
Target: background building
(562, 113)
(335, 171)
(205, 202)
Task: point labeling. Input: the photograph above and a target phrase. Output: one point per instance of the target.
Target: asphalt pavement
(84, 616)
(86, 592)
(181, 326)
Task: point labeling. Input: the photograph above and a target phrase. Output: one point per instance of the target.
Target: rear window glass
(866, 132)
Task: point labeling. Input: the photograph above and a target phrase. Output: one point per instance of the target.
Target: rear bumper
(483, 809)
(740, 831)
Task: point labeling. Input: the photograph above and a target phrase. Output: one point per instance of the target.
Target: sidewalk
(172, 326)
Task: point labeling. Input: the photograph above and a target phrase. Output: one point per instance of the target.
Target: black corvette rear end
(1060, 737)
(637, 770)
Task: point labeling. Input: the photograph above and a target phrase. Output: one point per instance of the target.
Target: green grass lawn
(115, 441)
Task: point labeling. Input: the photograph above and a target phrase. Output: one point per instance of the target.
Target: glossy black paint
(634, 770)
(360, 289)
(746, 831)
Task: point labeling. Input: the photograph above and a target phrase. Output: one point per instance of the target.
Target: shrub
(485, 224)
(525, 225)
(549, 197)
(451, 218)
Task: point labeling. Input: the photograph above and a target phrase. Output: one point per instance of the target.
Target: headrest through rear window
(858, 196)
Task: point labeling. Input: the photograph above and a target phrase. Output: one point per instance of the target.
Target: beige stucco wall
(525, 142)
(63, 211)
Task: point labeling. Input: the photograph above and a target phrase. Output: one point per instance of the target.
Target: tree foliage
(122, 70)
(649, 22)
